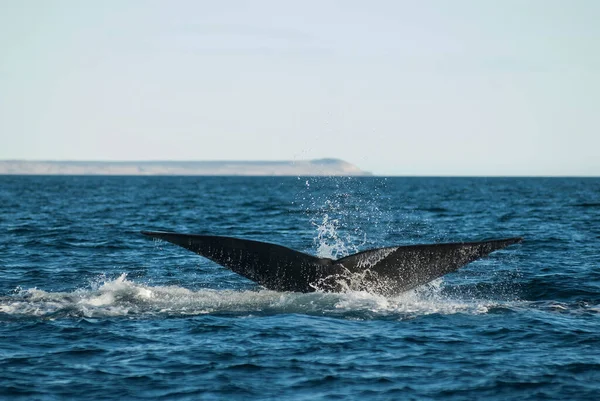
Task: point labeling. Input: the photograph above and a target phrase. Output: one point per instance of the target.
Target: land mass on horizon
(317, 167)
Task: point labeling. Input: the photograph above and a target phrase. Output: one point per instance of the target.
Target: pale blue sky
(443, 87)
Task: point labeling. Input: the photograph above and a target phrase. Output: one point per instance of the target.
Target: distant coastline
(317, 167)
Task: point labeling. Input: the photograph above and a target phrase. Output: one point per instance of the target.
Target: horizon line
(309, 160)
(305, 176)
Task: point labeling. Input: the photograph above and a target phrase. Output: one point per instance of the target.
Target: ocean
(92, 309)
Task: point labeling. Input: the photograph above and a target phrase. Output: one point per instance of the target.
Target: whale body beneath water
(386, 271)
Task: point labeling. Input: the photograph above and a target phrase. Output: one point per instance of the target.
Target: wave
(126, 298)
(588, 205)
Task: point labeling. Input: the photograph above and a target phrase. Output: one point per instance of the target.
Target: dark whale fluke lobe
(386, 271)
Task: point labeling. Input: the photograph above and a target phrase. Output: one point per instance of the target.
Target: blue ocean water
(91, 309)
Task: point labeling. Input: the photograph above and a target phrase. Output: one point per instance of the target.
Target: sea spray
(123, 297)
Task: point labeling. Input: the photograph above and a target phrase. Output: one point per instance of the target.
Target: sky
(426, 87)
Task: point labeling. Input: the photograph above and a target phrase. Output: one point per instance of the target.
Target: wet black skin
(388, 271)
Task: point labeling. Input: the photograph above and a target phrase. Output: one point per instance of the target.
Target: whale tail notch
(389, 270)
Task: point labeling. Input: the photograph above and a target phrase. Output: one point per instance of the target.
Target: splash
(421, 301)
(121, 297)
(338, 214)
(328, 242)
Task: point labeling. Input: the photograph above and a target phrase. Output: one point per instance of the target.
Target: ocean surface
(91, 309)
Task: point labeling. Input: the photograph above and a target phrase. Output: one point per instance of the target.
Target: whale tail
(389, 270)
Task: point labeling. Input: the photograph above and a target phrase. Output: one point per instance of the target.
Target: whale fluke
(387, 271)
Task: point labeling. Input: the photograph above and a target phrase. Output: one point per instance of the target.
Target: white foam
(123, 297)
